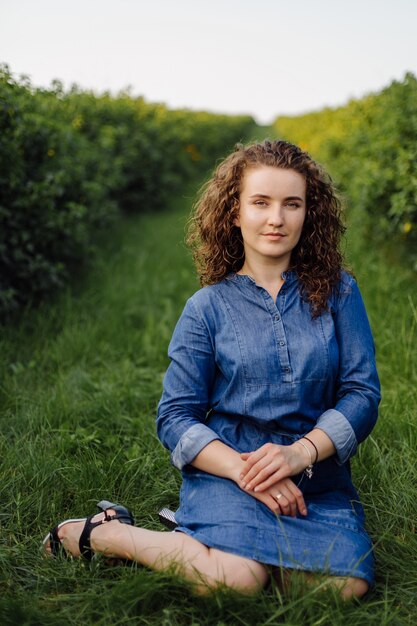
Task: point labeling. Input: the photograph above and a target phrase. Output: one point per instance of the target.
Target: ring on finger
(279, 495)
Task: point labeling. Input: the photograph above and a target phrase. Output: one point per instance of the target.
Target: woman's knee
(348, 586)
(239, 573)
(244, 582)
(249, 579)
(354, 588)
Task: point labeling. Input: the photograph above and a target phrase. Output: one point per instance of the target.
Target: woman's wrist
(235, 470)
(314, 453)
(219, 459)
(303, 454)
(319, 445)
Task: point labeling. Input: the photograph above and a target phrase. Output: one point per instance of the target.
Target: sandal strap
(84, 542)
(55, 542)
(121, 513)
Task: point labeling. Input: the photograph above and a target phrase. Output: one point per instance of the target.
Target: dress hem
(285, 563)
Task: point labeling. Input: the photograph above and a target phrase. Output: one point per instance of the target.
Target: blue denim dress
(247, 370)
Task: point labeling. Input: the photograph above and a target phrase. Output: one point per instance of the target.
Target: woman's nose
(275, 216)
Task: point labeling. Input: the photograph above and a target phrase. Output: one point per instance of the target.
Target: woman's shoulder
(210, 293)
(209, 301)
(347, 282)
(346, 286)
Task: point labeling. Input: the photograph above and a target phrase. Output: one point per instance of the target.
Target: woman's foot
(69, 533)
(74, 535)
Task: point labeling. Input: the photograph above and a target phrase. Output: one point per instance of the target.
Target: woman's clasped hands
(266, 476)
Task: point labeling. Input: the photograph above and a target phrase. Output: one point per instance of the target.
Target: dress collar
(289, 276)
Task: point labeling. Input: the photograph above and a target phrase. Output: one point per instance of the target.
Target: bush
(70, 162)
(370, 147)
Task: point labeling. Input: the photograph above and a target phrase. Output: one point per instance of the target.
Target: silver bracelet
(309, 469)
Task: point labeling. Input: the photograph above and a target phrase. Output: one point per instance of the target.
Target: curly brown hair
(217, 243)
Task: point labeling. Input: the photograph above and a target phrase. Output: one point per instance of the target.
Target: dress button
(277, 317)
(286, 370)
(282, 343)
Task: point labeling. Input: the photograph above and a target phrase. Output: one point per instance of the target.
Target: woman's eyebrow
(262, 195)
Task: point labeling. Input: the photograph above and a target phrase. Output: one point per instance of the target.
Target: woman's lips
(274, 236)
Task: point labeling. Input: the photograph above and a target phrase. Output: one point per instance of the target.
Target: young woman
(271, 387)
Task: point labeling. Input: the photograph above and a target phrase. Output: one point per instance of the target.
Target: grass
(81, 378)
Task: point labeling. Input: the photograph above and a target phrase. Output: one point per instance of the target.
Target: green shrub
(69, 162)
(47, 205)
(370, 147)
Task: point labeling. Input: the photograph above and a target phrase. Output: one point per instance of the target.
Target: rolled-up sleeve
(188, 381)
(357, 390)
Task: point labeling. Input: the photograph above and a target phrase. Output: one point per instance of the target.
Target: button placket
(279, 334)
(282, 346)
(284, 356)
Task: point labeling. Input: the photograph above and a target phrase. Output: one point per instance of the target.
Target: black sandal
(120, 512)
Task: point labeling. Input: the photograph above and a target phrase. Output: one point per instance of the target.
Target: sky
(261, 57)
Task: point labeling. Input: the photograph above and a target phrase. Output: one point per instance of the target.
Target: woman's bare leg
(348, 586)
(207, 567)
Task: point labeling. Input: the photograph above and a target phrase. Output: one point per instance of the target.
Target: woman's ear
(236, 220)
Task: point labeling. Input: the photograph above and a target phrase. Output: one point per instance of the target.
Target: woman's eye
(260, 202)
(293, 205)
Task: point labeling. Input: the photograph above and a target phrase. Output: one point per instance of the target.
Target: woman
(271, 386)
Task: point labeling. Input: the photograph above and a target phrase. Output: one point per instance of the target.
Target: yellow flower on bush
(407, 227)
(77, 122)
(51, 152)
(193, 152)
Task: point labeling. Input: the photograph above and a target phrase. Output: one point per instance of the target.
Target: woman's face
(272, 209)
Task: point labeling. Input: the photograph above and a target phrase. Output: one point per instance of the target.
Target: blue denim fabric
(246, 370)
(237, 352)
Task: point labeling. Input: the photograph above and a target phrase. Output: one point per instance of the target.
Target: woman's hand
(270, 464)
(282, 498)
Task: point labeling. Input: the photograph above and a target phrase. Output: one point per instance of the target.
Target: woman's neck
(267, 276)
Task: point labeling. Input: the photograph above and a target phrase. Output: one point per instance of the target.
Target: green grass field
(81, 378)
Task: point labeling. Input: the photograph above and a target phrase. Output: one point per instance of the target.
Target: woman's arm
(357, 388)
(272, 462)
(188, 382)
(340, 428)
(219, 459)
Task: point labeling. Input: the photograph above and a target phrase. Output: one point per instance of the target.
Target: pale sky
(262, 57)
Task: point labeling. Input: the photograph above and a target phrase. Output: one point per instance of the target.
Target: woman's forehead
(270, 180)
